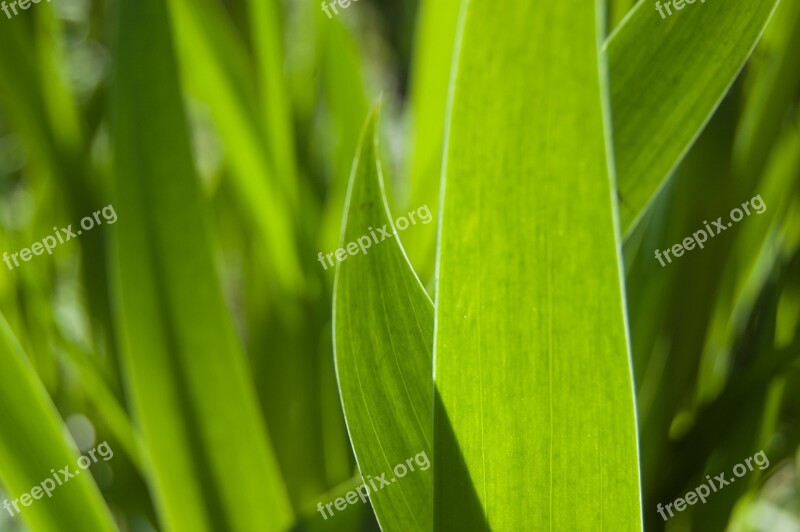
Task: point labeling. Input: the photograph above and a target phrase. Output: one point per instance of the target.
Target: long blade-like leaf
(32, 443)
(265, 26)
(212, 463)
(667, 78)
(218, 69)
(347, 103)
(662, 66)
(430, 78)
(383, 334)
(534, 422)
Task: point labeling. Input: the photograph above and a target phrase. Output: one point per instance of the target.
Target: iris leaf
(667, 78)
(534, 421)
(213, 467)
(33, 442)
(383, 333)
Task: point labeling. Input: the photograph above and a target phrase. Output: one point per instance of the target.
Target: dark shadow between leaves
(456, 503)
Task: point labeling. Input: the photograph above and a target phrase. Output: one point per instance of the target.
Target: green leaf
(42, 111)
(667, 77)
(33, 442)
(383, 334)
(617, 9)
(354, 517)
(430, 78)
(213, 468)
(347, 105)
(265, 26)
(661, 66)
(758, 245)
(109, 410)
(774, 83)
(218, 69)
(534, 421)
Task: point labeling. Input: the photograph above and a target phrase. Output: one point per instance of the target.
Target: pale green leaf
(430, 78)
(534, 420)
(346, 105)
(265, 25)
(678, 69)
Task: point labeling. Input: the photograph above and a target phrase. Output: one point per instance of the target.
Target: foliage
(527, 340)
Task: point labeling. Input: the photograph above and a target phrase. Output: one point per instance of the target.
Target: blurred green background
(274, 96)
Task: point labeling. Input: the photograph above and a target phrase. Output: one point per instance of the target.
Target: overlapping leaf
(383, 333)
(667, 76)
